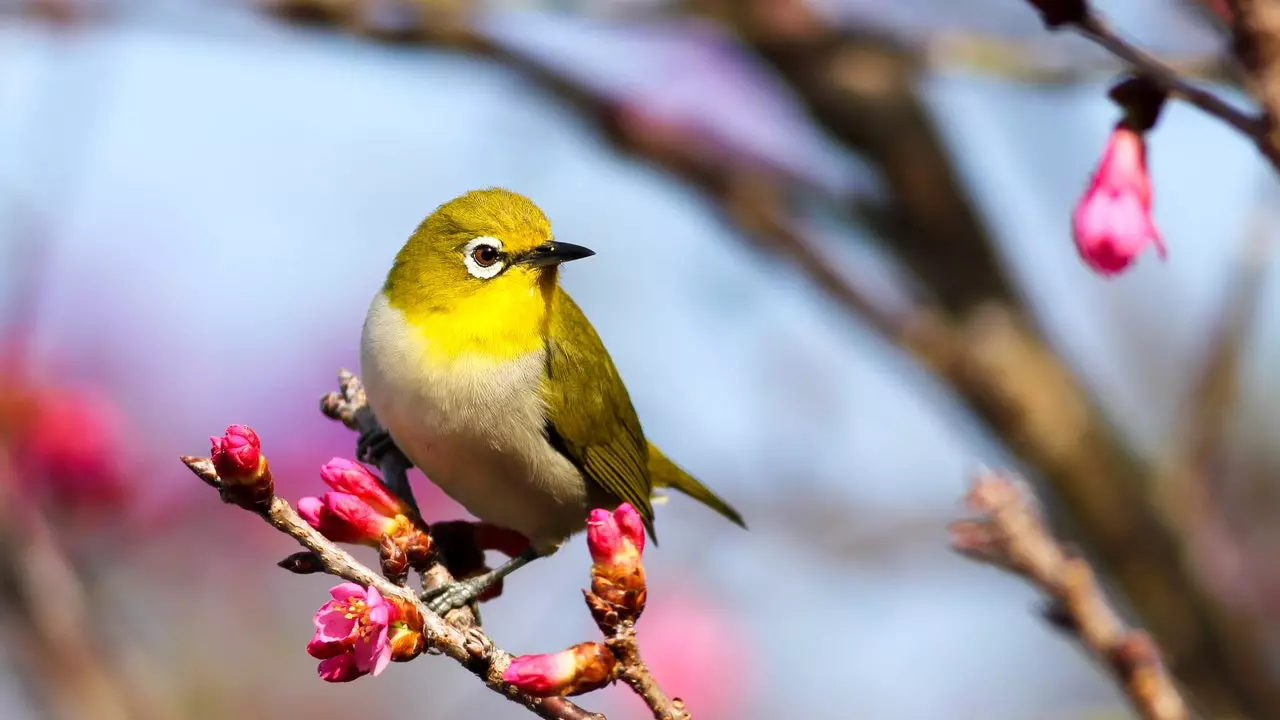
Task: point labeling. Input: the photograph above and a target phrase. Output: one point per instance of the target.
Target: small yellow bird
(490, 379)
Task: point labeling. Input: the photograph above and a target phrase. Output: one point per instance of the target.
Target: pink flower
(1112, 223)
(582, 668)
(71, 447)
(698, 651)
(237, 455)
(615, 538)
(352, 478)
(346, 518)
(351, 634)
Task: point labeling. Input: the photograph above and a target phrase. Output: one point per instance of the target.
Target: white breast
(474, 427)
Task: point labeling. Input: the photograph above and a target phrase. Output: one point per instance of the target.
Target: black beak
(554, 253)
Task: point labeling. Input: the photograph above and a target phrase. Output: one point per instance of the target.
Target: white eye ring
(484, 272)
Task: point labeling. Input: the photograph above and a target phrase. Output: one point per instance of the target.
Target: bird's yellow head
(478, 276)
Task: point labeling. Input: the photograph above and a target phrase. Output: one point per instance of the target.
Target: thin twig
(1012, 536)
(1097, 29)
(635, 673)
(471, 647)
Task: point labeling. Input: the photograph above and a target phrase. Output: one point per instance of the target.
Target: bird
(491, 380)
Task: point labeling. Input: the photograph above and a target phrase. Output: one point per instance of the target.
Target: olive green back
(589, 413)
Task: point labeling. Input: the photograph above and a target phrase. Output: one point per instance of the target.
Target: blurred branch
(470, 646)
(1026, 62)
(1257, 43)
(53, 639)
(861, 88)
(1216, 390)
(1011, 535)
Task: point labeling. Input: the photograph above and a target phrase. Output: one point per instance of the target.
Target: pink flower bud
(237, 455)
(615, 538)
(1112, 223)
(582, 668)
(353, 478)
(346, 518)
(616, 541)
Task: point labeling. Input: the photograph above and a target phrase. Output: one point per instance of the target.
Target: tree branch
(1257, 35)
(1096, 28)
(470, 647)
(1010, 535)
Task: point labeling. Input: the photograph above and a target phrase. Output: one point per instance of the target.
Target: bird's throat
(496, 324)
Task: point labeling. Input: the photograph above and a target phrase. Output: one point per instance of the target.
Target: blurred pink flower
(695, 652)
(351, 636)
(617, 538)
(347, 519)
(70, 446)
(352, 478)
(1112, 222)
(582, 668)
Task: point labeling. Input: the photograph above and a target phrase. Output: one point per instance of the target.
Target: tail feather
(667, 474)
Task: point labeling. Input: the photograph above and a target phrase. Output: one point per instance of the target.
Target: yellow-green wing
(590, 418)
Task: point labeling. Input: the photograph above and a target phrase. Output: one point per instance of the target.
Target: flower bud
(346, 518)
(616, 541)
(1112, 223)
(615, 538)
(352, 478)
(406, 643)
(237, 455)
(302, 563)
(580, 669)
(395, 564)
(416, 545)
(242, 468)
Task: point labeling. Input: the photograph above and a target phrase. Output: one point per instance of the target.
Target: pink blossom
(237, 455)
(73, 445)
(352, 478)
(615, 538)
(1112, 222)
(697, 651)
(346, 518)
(351, 636)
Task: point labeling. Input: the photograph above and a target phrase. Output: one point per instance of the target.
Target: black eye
(485, 255)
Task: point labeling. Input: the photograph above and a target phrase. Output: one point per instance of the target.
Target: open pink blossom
(615, 538)
(346, 518)
(1112, 222)
(352, 478)
(351, 636)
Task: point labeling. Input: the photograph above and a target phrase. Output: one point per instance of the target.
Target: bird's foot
(459, 594)
(373, 446)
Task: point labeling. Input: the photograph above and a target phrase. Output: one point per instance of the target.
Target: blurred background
(834, 268)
